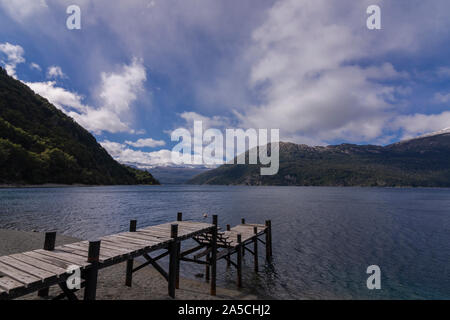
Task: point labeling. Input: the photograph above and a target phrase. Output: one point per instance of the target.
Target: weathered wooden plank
(234, 233)
(165, 229)
(32, 270)
(105, 254)
(247, 229)
(104, 251)
(113, 248)
(139, 237)
(140, 244)
(62, 255)
(125, 245)
(193, 227)
(8, 284)
(195, 223)
(145, 236)
(51, 260)
(144, 243)
(259, 226)
(18, 275)
(156, 233)
(39, 264)
(82, 253)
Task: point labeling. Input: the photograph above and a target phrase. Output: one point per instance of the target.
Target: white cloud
(99, 120)
(22, 9)
(35, 66)
(120, 89)
(308, 86)
(60, 97)
(418, 124)
(302, 59)
(216, 122)
(123, 154)
(55, 72)
(442, 98)
(13, 56)
(148, 142)
(117, 93)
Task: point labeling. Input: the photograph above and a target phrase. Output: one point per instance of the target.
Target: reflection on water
(323, 238)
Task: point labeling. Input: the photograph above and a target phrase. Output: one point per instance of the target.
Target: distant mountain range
(176, 175)
(40, 144)
(419, 162)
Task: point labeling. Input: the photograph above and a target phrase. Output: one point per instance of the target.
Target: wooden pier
(37, 270)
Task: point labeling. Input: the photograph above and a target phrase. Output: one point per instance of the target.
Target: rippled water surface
(323, 238)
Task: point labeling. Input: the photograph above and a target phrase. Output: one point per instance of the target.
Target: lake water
(323, 238)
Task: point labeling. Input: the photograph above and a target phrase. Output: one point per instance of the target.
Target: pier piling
(129, 272)
(90, 289)
(268, 240)
(228, 255)
(239, 261)
(213, 260)
(173, 249)
(49, 245)
(255, 249)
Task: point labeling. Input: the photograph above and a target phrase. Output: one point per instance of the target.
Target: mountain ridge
(420, 162)
(39, 144)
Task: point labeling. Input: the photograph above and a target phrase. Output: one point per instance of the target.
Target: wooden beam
(129, 270)
(49, 244)
(70, 294)
(207, 268)
(239, 261)
(194, 261)
(203, 253)
(268, 232)
(173, 248)
(156, 266)
(255, 250)
(213, 261)
(90, 290)
(192, 250)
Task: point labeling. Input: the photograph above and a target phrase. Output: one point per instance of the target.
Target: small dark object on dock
(199, 275)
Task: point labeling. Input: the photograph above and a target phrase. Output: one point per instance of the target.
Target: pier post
(129, 272)
(243, 248)
(268, 240)
(228, 255)
(207, 267)
(213, 260)
(255, 249)
(177, 281)
(239, 261)
(49, 245)
(173, 260)
(90, 289)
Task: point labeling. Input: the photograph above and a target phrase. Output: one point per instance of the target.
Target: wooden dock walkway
(37, 270)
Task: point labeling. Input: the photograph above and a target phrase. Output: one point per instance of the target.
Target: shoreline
(57, 185)
(148, 284)
(45, 185)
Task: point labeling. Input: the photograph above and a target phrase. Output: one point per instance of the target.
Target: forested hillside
(40, 144)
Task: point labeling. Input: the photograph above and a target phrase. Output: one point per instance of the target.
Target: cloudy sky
(139, 69)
